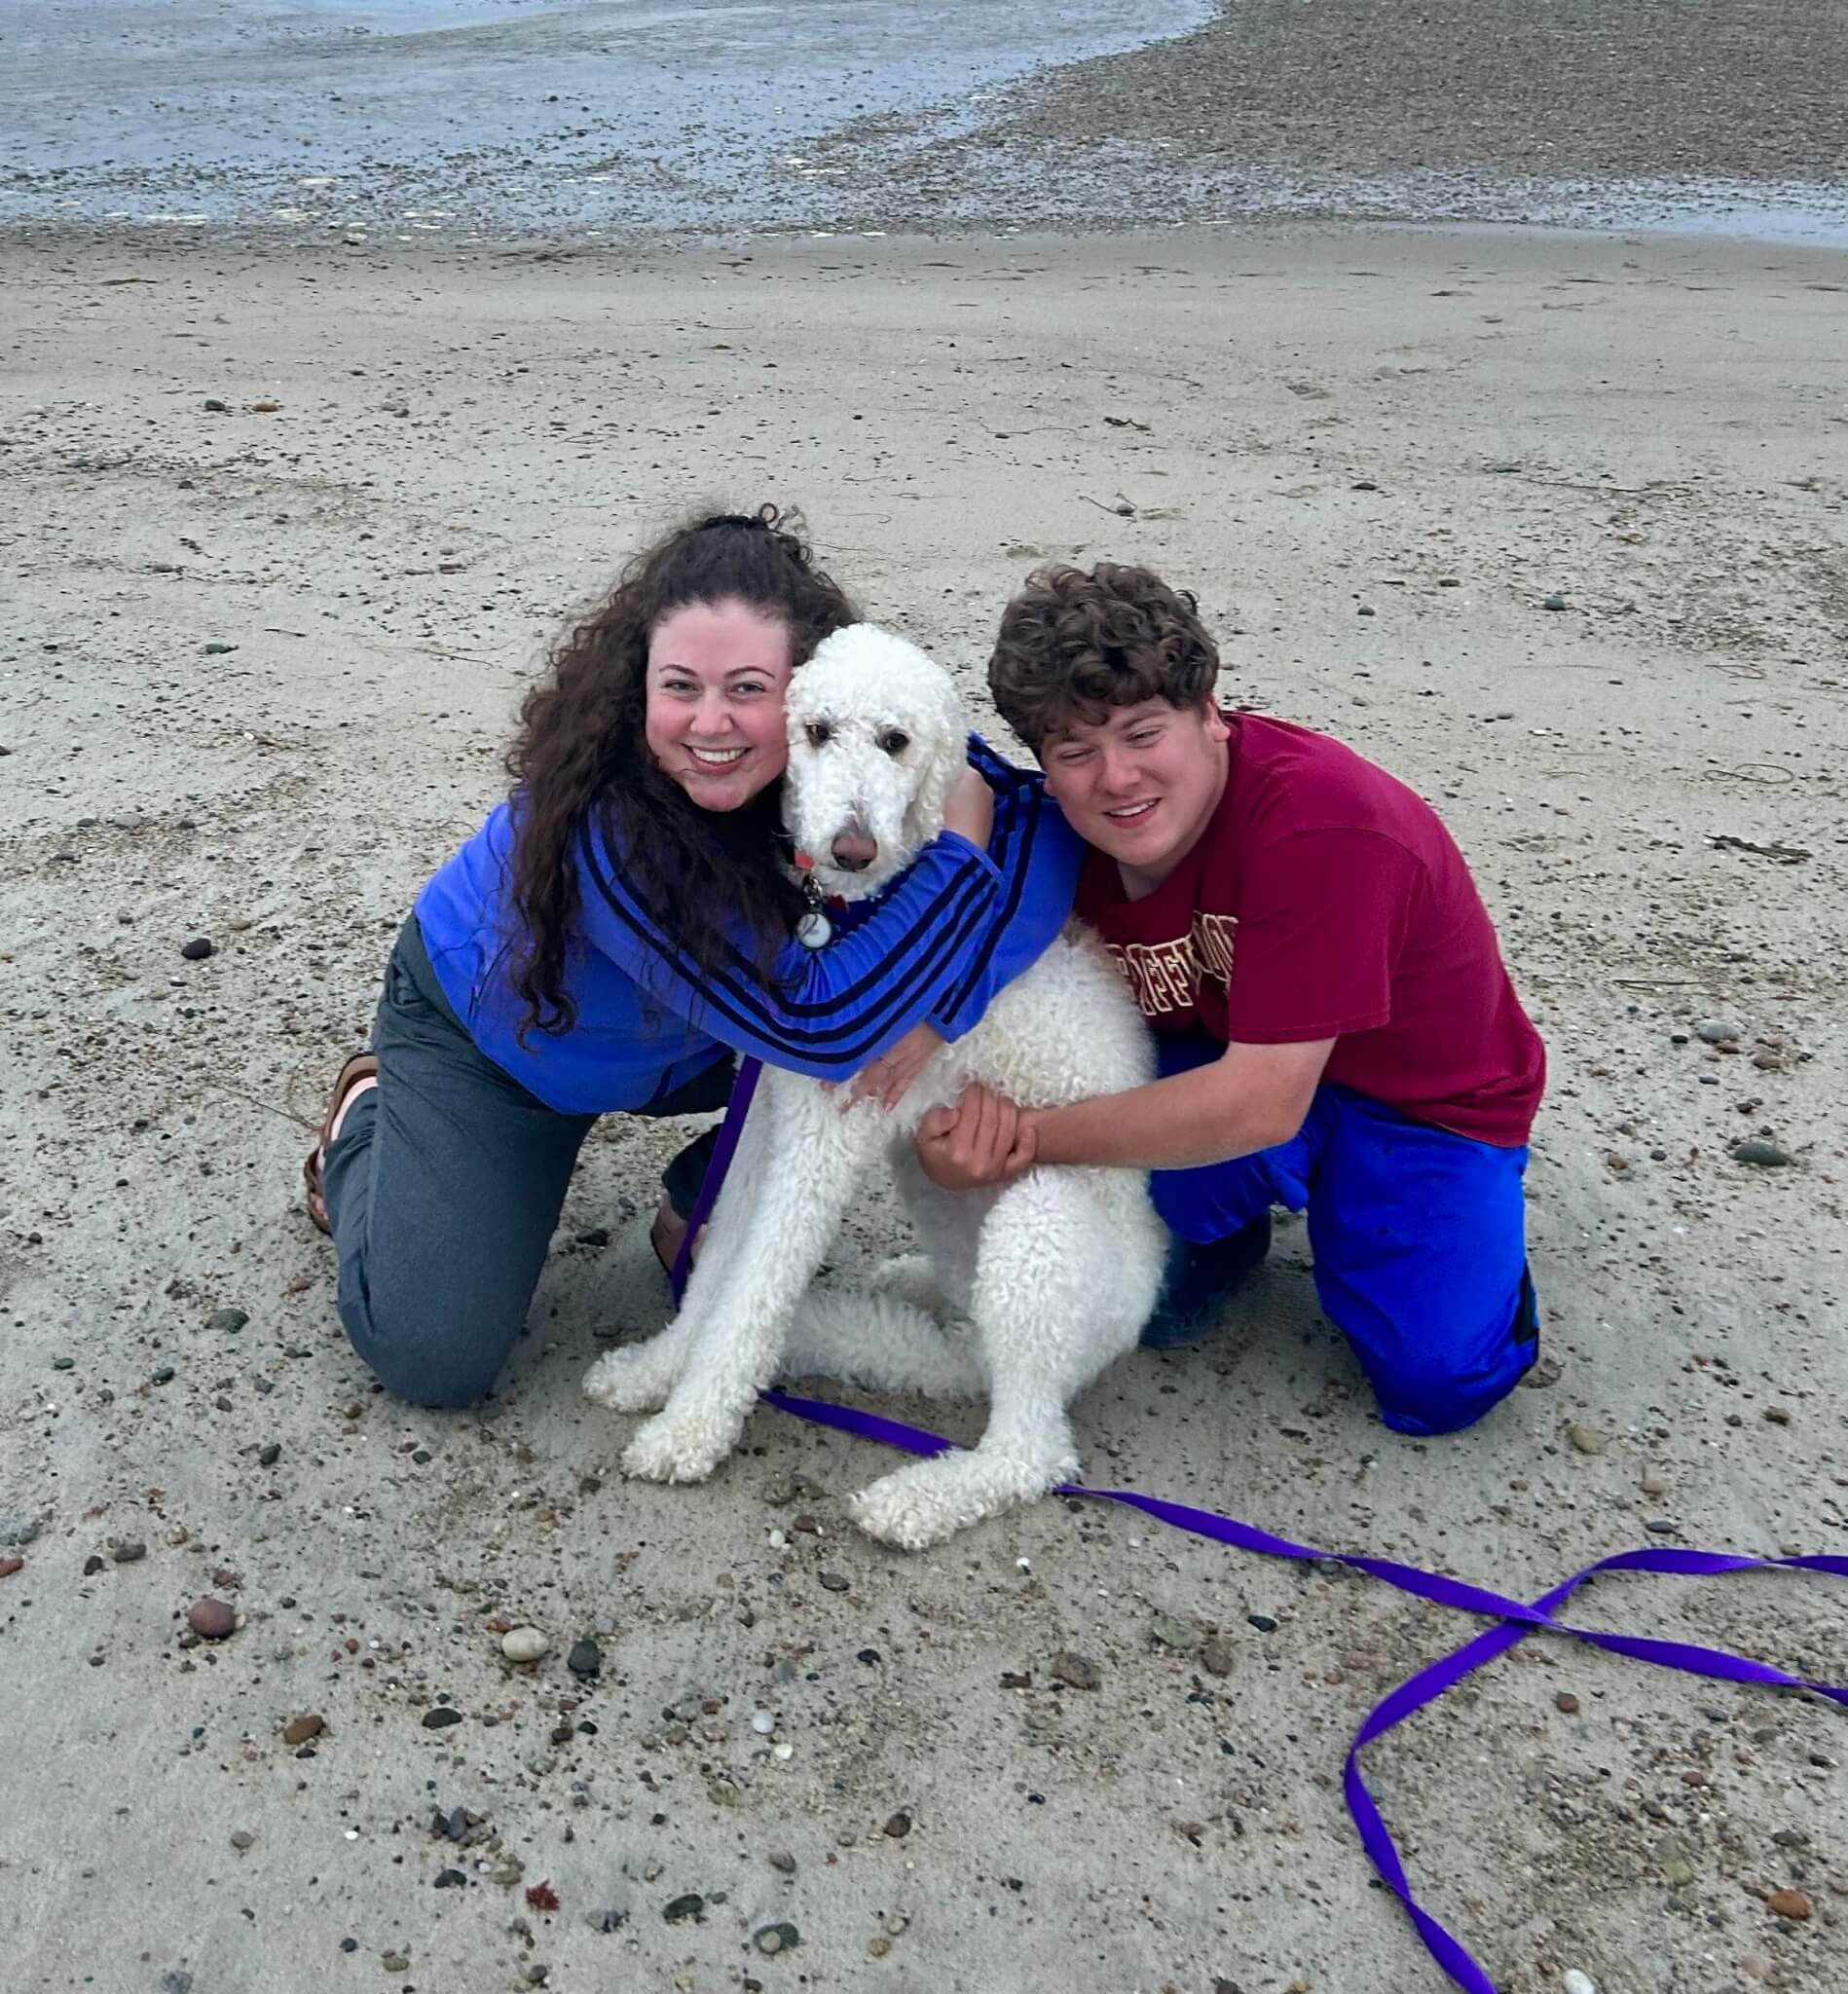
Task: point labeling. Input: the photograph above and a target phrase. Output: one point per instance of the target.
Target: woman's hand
(971, 809)
(887, 1077)
(983, 1141)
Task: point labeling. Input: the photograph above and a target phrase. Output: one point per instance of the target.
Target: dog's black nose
(853, 851)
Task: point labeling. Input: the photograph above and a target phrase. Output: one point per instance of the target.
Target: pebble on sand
(197, 948)
(1787, 1903)
(299, 1730)
(211, 1619)
(524, 1644)
(1573, 1981)
(1769, 1156)
(1076, 1671)
(8, 1566)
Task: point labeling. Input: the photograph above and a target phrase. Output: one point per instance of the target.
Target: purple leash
(1515, 1620)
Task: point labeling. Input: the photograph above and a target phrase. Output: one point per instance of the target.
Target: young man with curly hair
(1336, 1030)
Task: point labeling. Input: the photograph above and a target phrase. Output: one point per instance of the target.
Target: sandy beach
(1550, 523)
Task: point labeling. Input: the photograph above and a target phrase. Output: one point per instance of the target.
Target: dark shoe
(1200, 1279)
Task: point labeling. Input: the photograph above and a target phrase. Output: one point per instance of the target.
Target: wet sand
(495, 119)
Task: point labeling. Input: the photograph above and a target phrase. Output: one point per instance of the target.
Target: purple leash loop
(1515, 1620)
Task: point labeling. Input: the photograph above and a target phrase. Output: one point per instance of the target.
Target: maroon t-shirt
(1325, 900)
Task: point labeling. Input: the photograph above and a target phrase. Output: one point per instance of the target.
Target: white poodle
(1027, 1292)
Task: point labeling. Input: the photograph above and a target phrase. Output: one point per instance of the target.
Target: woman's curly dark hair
(1073, 645)
(581, 756)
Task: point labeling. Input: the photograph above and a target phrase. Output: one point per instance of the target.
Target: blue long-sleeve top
(932, 948)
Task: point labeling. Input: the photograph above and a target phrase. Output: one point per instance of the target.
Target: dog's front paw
(930, 1500)
(677, 1447)
(633, 1380)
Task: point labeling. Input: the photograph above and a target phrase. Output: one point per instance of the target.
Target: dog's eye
(893, 742)
(818, 733)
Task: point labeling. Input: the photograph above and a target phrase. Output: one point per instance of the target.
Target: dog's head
(876, 743)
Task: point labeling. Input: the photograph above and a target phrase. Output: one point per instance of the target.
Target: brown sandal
(361, 1066)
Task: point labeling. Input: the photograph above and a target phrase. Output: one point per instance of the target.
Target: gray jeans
(444, 1189)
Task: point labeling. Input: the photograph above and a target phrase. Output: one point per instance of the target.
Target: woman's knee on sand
(428, 1347)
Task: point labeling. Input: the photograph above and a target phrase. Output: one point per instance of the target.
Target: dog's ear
(948, 757)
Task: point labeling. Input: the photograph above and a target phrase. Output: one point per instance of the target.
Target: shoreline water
(619, 122)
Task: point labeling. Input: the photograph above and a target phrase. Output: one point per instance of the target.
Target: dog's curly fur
(1025, 1293)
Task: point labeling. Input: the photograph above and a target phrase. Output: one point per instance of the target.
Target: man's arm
(1250, 1098)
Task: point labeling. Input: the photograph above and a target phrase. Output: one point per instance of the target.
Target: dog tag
(814, 930)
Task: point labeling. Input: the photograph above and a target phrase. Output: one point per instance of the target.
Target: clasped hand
(983, 1141)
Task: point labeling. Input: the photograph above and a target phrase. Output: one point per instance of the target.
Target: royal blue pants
(1418, 1239)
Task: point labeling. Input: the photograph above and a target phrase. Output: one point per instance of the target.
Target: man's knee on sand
(1440, 1382)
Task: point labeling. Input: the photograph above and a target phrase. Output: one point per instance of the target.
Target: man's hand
(887, 1077)
(983, 1141)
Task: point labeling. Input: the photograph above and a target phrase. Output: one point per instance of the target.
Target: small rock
(781, 1860)
(216, 407)
(1717, 1031)
(899, 1825)
(242, 1838)
(1217, 1655)
(227, 1322)
(1588, 1439)
(835, 1582)
(264, 408)
(1777, 1416)
(524, 1644)
(211, 1619)
(1262, 1622)
(1573, 1981)
(19, 1530)
(679, 1910)
(1677, 1872)
(8, 1566)
(299, 1730)
(1075, 1671)
(1769, 1156)
(1653, 1486)
(268, 1454)
(394, 1962)
(1552, 602)
(197, 948)
(63, 1363)
(1787, 1903)
(128, 1550)
(723, 1794)
(1179, 1635)
(450, 1879)
(764, 1722)
(586, 1660)
(782, 1936)
(1567, 1702)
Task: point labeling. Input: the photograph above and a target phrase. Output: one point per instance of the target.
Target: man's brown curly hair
(1074, 645)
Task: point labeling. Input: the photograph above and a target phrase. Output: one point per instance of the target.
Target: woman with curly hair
(620, 929)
